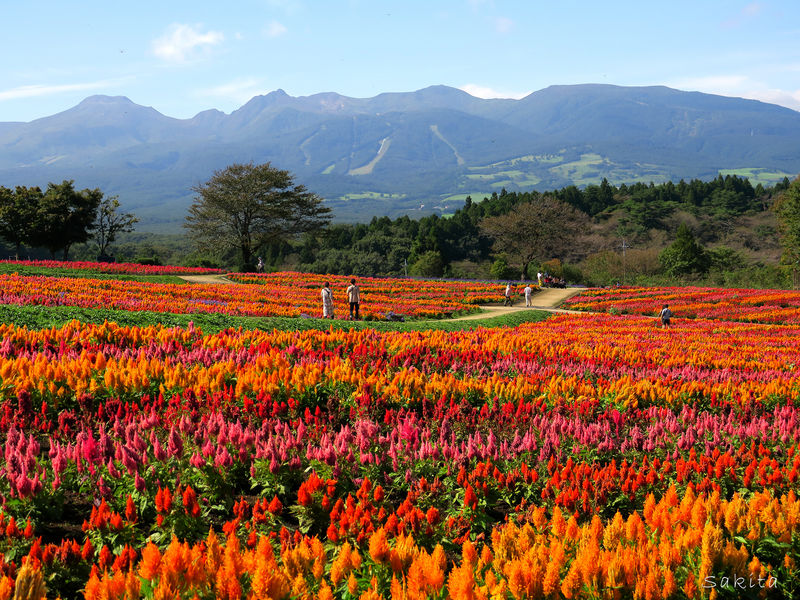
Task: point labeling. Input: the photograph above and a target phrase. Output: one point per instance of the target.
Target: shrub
(148, 260)
(502, 270)
(430, 264)
(572, 274)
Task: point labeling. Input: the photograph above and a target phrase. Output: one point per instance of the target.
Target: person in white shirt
(327, 301)
(508, 301)
(528, 291)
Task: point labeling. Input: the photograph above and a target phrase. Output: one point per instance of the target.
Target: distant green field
(499, 179)
(536, 158)
(476, 197)
(592, 168)
(756, 175)
(528, 161)
(502, 183)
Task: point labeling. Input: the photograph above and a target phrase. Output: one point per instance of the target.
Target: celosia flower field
(587, 456)
(115, 268)
(443, 297)
(289, 295)
(761, 306)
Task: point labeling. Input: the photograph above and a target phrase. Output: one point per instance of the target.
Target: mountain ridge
(404, 152)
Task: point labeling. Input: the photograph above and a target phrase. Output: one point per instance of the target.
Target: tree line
(248, 214)
(257, 211)
(60, 217)
(480, 231)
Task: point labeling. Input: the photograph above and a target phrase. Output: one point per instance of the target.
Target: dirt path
(547, 299)
(206, 278)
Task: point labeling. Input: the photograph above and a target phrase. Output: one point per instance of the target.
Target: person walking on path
(507, 301)
(327, 301)
(354, 298)
(528, 291)
(665, 315)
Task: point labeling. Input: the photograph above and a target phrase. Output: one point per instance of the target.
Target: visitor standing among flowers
(507, 301)
(327, 301)
(666, 315)
(354, 299)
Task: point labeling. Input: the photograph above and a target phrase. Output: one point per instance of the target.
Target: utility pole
(624, 262)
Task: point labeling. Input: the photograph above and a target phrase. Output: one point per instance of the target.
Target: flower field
(287, 295)
(586, 456)
(761, 306)
(114, 268)
(450, 295)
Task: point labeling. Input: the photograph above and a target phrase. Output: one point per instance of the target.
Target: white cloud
(485, 92)
(33, 91)
(237, 91)
(740, 86)
(503, 25)
(477, 4)
(753, 9)
(715, 84)
(275, 29)
(183, 42)
(787, 98)
(287, 5)
(748, 13)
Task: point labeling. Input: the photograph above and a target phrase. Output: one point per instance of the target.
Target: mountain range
(404, 153)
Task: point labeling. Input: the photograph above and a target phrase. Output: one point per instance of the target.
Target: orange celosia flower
(403, 553)
(150, 565)
(341, 565)
(6, 587)
(352, 584)
(425, 577)
(379, 547)
(468, 553)
(325, 592)
(268, 581)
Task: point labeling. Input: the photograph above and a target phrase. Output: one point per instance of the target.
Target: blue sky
(183, 57)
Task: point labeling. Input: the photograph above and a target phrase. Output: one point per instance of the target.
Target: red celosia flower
(130, 510)
(470, 499)
(303, 497)
(275, 506)
(333, 533)
(190, 502)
